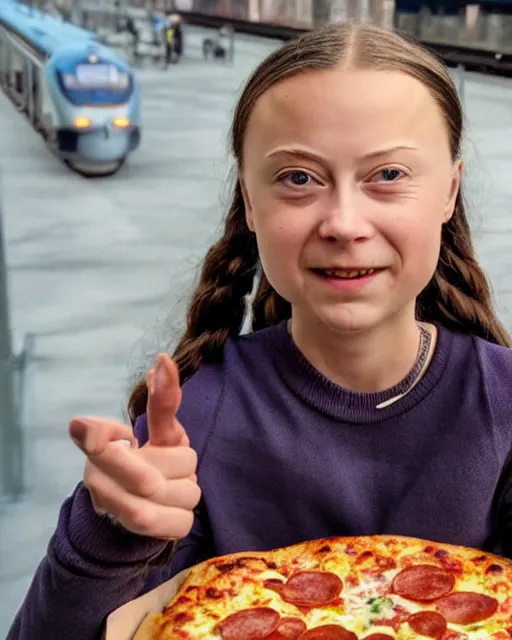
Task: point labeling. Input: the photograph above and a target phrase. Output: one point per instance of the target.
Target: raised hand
(150, 490)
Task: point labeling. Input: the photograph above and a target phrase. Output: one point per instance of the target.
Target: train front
(96, 104)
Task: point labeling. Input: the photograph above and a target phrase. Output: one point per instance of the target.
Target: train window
(95, 84)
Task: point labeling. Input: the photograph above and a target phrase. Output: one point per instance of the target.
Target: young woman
(373, 395)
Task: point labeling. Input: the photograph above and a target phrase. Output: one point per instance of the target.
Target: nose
(344, 219)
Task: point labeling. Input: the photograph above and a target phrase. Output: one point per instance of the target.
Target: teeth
(341, 273)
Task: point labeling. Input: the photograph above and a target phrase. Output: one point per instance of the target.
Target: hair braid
(217, 307)
(459, 295)
(268, 308)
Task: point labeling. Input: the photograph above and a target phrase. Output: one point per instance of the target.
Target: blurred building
(483, 25)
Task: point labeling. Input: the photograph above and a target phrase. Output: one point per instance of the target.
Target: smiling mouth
(345, 274)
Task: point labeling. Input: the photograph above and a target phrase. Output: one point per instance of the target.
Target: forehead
(362, 109)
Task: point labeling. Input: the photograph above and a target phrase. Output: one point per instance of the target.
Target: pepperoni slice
(428, 623)
(328, 632)
(288, 629)
(291, 627)
(464, 607)
(249, 624)
(423, 583)
(311, 588)
(379, 636)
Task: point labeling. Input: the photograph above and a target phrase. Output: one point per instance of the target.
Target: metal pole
(11, 464)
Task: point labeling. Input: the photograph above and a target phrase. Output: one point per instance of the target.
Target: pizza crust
(148, 627)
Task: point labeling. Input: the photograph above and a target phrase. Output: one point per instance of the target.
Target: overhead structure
(80, 95)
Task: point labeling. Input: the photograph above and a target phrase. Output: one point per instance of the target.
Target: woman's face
(347, 179)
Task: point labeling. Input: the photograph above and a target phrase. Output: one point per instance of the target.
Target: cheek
(279, 226)
(281, 234)
(416, 238)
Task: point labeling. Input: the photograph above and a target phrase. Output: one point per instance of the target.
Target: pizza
(359, 588)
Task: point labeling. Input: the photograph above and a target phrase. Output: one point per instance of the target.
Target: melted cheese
(354, 614)
(353, 610)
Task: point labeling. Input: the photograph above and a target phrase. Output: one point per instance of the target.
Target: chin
(355, 319)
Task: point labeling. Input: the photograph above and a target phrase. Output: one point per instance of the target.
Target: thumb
(164, 399)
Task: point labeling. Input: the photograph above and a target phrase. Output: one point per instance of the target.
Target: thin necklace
(410, 381)
(404, 387)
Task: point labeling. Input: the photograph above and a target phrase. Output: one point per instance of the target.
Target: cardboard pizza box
(124, 622)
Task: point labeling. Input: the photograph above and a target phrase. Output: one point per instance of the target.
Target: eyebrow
(304, 153)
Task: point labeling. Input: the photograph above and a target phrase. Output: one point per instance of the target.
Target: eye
(388, 175)
(295, 179)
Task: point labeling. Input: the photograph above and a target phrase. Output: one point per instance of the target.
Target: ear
(454, 189)
(247, 204)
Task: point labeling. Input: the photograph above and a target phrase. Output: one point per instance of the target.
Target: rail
(13, 366)
(13, 370)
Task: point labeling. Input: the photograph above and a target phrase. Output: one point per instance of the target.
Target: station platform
(100, 270)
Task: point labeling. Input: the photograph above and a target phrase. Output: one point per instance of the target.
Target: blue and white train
(80, 95)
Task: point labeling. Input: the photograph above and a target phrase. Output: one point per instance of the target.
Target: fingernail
(125, 443)
(88, 439)
(160, 377)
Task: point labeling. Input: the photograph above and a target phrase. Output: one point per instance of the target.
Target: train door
(5, 52)
(29, 90)
(8, 68)
(48, 113)
(37, 96)
(18, 79)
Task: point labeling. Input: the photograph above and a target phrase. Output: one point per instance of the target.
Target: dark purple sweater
(285, 456)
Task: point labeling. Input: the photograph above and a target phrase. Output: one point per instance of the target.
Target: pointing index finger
(164, 398)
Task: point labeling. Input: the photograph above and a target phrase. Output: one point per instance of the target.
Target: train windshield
(96, 84)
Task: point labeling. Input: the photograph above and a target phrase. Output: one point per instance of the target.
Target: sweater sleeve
(92, 566)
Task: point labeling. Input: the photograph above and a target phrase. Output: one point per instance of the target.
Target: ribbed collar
(349, 406)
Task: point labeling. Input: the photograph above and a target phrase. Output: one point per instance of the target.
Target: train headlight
(121, 123)
(82, 123)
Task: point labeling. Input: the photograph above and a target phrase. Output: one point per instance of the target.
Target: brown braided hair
(217, 308)
(458, 296)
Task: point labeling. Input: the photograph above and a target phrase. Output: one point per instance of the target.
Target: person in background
(174, 39)
(373, 394)
(134, 32)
